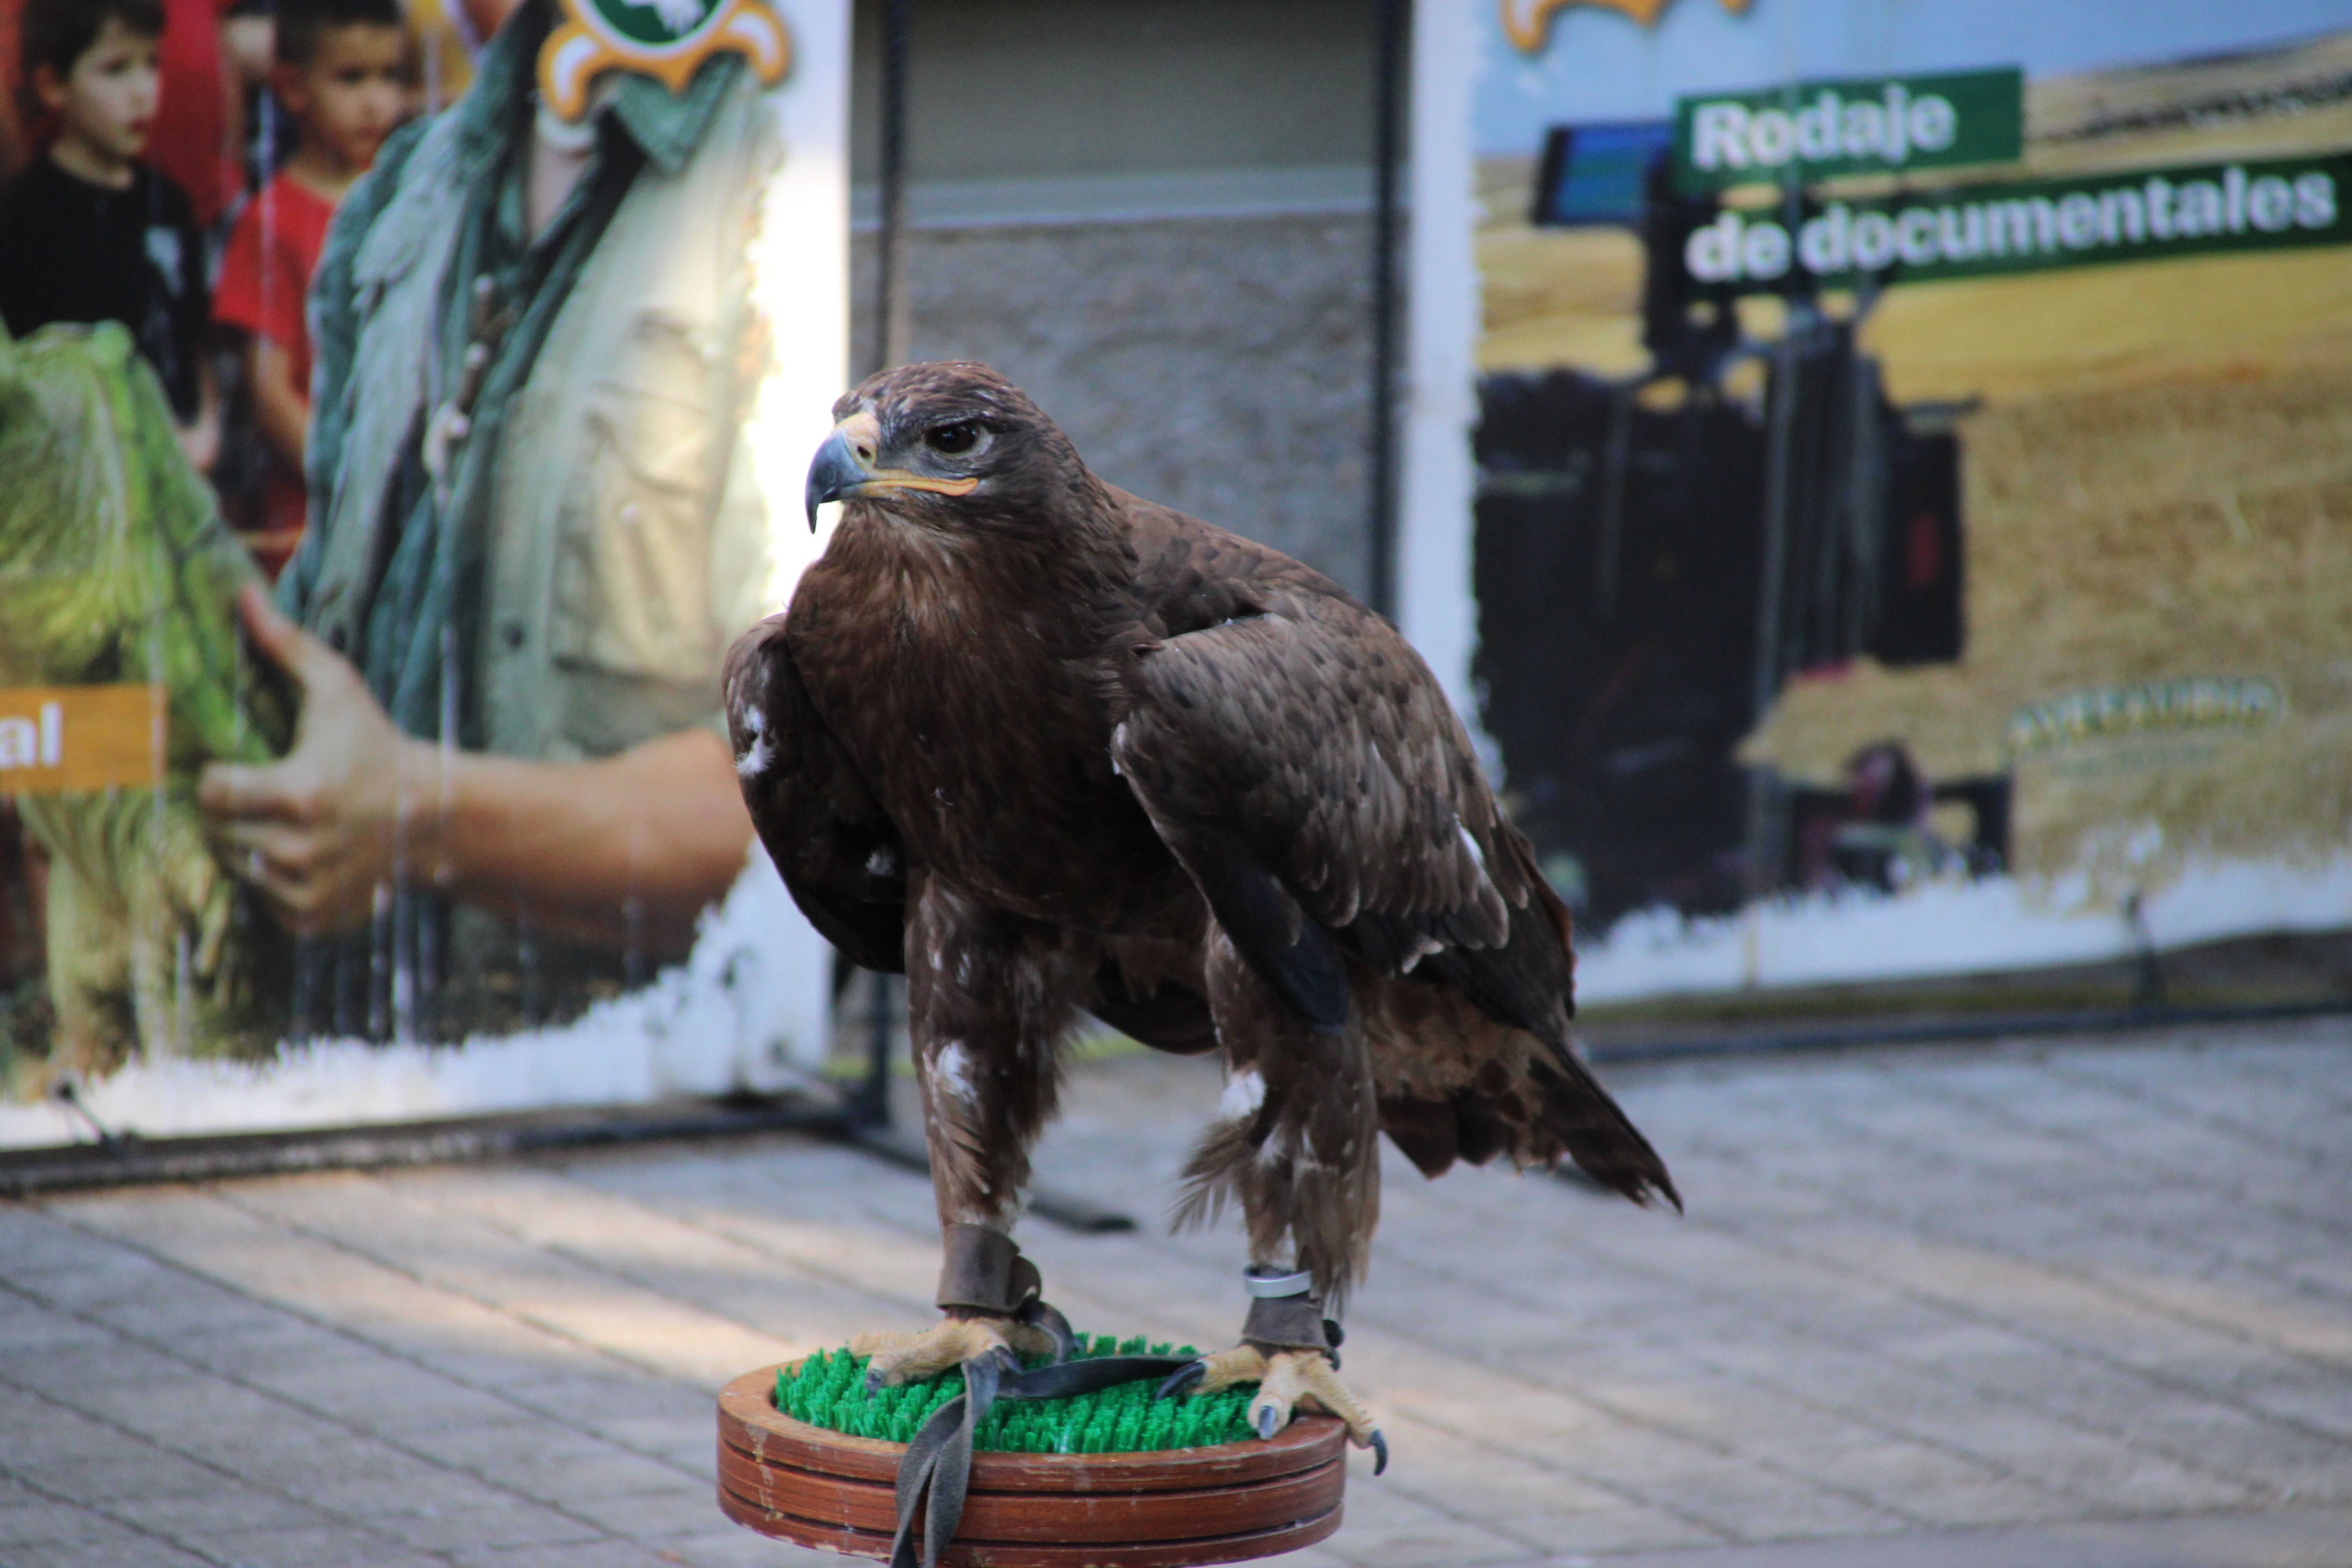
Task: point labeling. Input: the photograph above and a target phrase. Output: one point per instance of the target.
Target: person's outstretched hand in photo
(629, 847)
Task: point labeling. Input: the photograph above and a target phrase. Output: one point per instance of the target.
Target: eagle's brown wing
(836, 849)
(1304, 765)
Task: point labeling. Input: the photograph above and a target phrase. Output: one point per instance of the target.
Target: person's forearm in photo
(623, 851)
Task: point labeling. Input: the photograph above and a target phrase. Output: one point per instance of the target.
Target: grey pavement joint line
(168, 1351)
(601, 1265)
(1627, 1415)
(1859, 1416)
(2265, 1058)
(537, 1325)
(2139, 1094)
(2198, 1179)
(2026, 1330)
(751, 1242)
(344, 1332)
(2259, 1066)
(2121, 1221)
(1636, 1495)
(2135, 1104)
(141, 1438)
(2031, 1332)
(2113, 1219)
(1598, 1252)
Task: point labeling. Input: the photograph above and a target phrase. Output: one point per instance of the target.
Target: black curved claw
(1380, 1452)
(1182, 1379)
(1269, 1422)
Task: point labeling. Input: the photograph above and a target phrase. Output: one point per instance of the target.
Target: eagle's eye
(953, 440)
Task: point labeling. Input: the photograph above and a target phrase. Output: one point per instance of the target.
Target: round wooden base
(1229, 1503)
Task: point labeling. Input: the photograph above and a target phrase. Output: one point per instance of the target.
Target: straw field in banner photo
(2122, 543)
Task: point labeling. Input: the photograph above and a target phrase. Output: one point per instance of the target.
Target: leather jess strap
(982, 1271)
(1286, 1315)
(939, 1458)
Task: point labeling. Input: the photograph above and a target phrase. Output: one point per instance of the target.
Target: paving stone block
(41, 1521)
(736, 1547)
(228, 1508)
(684, 1509)
(504, 1523)
(597, 1554)
(131, 1552)
(127, 1469)
(315, 1546)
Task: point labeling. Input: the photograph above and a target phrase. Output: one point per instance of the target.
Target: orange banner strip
(54, 739)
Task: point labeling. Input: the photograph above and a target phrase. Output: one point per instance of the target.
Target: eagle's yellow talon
(896, 1358)
(1288, 1380)
(1222, 1369)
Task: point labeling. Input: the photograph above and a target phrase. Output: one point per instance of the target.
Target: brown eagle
(1048, 748)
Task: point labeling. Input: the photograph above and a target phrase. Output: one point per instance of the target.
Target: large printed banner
(1914, 522)
(433, 813)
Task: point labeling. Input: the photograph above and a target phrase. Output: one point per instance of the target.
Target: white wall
(1435, 606)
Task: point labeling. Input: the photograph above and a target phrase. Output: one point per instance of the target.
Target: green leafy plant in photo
(116, 569)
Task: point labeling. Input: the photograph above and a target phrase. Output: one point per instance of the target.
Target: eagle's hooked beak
(845, 467)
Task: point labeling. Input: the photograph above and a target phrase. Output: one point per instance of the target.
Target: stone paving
(2072, 1304)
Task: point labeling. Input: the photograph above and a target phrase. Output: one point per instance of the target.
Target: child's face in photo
(353, 94)
(107, 102)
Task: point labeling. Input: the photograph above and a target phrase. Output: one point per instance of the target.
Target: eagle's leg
(988, 1002)
(1296, 1140)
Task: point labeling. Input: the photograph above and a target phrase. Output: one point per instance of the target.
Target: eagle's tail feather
(1579, 1117)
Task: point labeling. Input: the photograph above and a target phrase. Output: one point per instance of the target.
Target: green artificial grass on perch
(828, 1390)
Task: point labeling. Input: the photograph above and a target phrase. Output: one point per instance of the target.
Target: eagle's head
(948, 444)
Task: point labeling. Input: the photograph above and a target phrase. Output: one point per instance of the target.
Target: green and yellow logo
(666, 39)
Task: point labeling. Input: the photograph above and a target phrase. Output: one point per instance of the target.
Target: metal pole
(1612, 500)
(1765, 800)
(1780, 412)
(869, 1107)
(1387, 136)
(891, 312)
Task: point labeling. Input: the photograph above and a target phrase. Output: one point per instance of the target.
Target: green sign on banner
(1968, 231)
(1820, 130)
